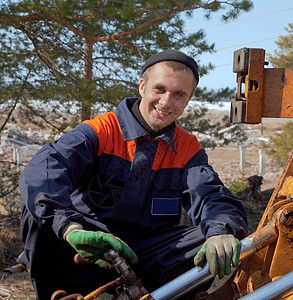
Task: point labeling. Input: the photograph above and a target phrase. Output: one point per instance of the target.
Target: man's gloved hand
(219, 251)
(92, 245)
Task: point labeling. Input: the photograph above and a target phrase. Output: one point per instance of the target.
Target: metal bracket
(267, 93)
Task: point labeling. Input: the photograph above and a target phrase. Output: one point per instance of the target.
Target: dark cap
(173, 55)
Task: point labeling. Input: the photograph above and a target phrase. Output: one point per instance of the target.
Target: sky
(259, 28)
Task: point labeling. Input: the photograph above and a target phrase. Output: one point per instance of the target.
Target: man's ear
(141, 86)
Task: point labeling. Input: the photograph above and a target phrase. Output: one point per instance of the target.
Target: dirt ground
(224, 160)
(14, 286)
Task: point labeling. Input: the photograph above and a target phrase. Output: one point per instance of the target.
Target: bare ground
(14, 286)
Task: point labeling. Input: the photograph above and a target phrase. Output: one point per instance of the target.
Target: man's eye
(160, 90)
(179, 95)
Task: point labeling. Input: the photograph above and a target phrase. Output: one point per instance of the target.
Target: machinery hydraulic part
(273, 290)
(127, 286)
(267, 92)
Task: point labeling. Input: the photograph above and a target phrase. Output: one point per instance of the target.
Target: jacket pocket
(167, 193)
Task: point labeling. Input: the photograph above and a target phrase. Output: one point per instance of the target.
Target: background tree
(195, 121)
(89, 52)
(283, 57)
(280, 145)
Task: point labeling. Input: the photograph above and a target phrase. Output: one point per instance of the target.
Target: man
(120, 181)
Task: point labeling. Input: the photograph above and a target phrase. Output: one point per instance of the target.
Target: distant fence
(262, 156)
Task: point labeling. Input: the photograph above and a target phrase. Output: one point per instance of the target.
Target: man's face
(164, 95)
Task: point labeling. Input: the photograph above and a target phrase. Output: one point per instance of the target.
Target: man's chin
(158, 127)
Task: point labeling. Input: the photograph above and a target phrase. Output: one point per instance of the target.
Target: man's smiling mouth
(165, 113)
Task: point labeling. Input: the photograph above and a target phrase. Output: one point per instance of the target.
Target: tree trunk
(88, 75)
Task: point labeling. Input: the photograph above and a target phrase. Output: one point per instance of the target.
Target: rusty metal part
(58, 294)
(260, 239)
(267, 259)
(146, 297)
(132, 285)
(134, 291)
(274, 290)
(284, 221)
(73, 297)
(257, 280)
(120, 265)
(63, 295)
(278, 93)
(277, 260)
(128, 286)
(244, 272)
(103, 289)
(268, 92)
(279, 190)
(131, 291)
(275, 207)
(282, 262)
(287, 188)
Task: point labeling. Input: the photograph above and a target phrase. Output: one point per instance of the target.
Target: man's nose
(166, 100)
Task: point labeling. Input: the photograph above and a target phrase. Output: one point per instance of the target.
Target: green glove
(92, 246)
(219, 251)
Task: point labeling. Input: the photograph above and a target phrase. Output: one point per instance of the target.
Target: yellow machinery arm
(266, 93)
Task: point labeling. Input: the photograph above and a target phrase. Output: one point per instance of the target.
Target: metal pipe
(183, 283)
(273, 289)
(197, 276)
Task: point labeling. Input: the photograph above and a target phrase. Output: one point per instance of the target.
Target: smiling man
(165, 93)
(121, 181)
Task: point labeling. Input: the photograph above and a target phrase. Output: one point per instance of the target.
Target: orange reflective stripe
(110, 136)
(186, 146)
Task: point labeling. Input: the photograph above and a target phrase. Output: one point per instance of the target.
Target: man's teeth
(161, 112)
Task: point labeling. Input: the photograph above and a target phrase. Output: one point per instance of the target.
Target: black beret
(173, 55)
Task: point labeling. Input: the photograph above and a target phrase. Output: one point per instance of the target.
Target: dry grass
(10, 243)
(12, 286)
(17, 287)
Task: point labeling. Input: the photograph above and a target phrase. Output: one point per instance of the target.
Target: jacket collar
(130, 127)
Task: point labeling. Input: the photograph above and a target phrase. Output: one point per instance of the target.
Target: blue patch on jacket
(166, 206)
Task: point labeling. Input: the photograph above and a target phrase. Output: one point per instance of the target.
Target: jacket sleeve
(209, 203)
(54, 173)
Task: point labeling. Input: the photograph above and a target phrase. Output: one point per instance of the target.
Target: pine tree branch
(20, 94)
(112, 37)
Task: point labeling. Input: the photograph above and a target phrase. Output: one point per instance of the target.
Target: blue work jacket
(108, 174)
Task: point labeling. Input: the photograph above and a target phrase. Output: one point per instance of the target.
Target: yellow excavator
(266, 268)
